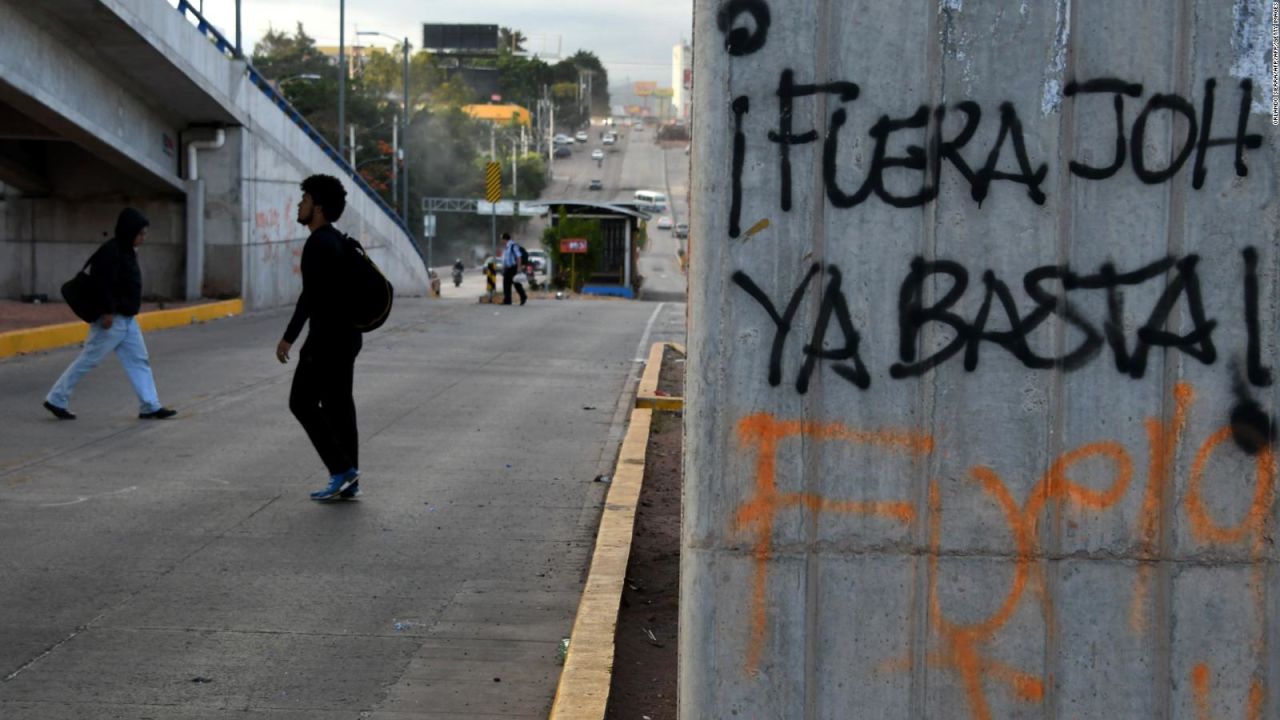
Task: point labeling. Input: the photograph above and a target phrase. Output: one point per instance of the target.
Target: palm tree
(512, 40)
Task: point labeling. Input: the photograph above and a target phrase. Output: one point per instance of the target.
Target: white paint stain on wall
(1251, 50)
(1051, 99)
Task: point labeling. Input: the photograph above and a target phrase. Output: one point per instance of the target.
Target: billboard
(460, 39)
(664, 92)
(645, 88)
(484, 81)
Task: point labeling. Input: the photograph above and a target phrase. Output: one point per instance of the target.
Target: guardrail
(228, 49)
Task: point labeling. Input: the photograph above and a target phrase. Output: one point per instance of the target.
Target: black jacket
(324, 265)
(115, 266)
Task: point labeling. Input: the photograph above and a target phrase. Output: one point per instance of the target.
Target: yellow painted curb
(647, 393)
(583, 692)
(47, 337)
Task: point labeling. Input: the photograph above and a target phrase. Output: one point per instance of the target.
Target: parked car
(581, 136)
(664, 223)
(562, 140)
(595, 184)
(681, 231)
(562, 151)
(540, 261)
(597, 154)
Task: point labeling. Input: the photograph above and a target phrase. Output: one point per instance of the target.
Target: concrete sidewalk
(31, 327)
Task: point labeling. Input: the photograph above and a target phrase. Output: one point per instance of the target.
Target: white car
(540, 261)
(664, 223)
(597, 154)
(609, 139)
(581, 136)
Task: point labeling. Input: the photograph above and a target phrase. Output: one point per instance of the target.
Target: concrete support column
(195, 239)
(984, 340)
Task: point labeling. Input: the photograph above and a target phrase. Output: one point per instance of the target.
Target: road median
(583, 691)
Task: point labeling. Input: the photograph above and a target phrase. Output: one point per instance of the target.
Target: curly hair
(327, 192)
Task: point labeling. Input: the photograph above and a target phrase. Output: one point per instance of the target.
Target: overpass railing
(278, 99)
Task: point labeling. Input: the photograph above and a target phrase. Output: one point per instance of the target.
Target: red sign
(573, 246)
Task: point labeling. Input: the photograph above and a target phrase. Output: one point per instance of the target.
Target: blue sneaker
(337, 483)
(351, 492)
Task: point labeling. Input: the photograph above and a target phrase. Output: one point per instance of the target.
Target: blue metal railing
(279, 100)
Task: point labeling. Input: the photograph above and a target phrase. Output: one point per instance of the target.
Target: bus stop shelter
(619, 225)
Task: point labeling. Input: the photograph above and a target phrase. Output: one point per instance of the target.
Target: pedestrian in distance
(321, 397)
(512, 262)
(114, 267)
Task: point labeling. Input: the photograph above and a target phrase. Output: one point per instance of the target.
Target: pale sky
(633, 39)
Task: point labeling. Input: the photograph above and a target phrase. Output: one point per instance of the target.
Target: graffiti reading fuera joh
(1055, 318)
(927, 158)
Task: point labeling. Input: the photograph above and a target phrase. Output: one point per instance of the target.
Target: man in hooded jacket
(115, 267)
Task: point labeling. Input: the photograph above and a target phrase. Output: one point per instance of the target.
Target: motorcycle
(457, 277)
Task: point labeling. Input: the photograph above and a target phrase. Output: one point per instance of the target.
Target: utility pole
(405, 136)
(551, 137)
(239, 51)
(395, 162)
(342, 74)
(351, 146)
(515, 170)
(493, 209)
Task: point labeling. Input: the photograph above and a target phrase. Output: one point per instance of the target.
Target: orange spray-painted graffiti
(959, 647)
(1201, 694)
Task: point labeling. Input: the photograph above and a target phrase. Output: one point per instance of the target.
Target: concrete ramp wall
(983, 346)
(102, 120)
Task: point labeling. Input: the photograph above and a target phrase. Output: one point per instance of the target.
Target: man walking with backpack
(514, 260)
(321, 396)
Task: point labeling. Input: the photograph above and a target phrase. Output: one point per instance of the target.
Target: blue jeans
(125, 338)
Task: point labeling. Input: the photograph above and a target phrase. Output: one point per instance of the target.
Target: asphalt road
(177, 569)
(634, 163)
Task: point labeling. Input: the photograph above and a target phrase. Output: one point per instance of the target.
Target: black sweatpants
(509, 279)
(322, 400)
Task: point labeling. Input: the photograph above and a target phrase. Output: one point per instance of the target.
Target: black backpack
(372, 293)
(524, 256)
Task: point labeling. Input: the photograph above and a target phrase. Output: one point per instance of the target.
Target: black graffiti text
(1000, 325)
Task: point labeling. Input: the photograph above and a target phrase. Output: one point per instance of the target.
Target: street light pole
(402, 197)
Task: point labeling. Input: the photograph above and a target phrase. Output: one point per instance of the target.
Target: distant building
(681, 80)
(356, 56)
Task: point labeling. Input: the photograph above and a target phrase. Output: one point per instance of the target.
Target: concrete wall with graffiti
(983, 342)
(278, 157)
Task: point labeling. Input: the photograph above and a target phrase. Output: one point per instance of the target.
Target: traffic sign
(493, 182)
(573, 246)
